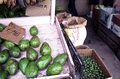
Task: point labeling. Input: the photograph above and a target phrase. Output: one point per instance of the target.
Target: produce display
(31, 64)
(92, 70)
(6, 12)
(23, 3)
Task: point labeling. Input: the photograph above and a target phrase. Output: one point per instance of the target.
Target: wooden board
(110, 34)
(95, 25)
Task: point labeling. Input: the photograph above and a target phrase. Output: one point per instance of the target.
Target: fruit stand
(49, 32)
(44, 51)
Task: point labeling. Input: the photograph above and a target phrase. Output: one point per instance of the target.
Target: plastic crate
(79, 65)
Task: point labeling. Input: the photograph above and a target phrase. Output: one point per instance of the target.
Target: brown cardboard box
(93, 53)
(116, 19)
(96, 13)
(42, 9)
(117, 6)
(13, 33)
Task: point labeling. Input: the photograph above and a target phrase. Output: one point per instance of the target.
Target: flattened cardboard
(41, 10)
(93, 53)
(13, 33)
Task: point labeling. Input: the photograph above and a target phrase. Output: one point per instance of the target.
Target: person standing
(107, 3)
(92, 3)
(72, 8)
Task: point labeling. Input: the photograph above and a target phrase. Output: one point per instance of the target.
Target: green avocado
(54, 69)
(0, 47)
(4, 56)
(4, 74)
(12, 66)
(1, 68)
(44, 61)
(45, 49)
(23, 64)
(1, 27)
(1, 40)
(23, 45)
(35, 41)
(60, 59)
(14, 52)
(33, 30)
(8, 44)
(32, 54)
(31, 70)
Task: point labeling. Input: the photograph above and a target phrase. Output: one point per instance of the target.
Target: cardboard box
(117, 6)
(116, 19)
(106, 15)
(93, 53)
(96, 13)
(42, 9)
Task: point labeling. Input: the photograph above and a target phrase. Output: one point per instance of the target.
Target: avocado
(43, 61)
(23, 45)
(1, 68)
(33, 30)
(31, 70)
(1, 27)
(54, 69)
(60, 59)
(4, 56)
(35, 41)
(23, 64)
(32, 54)
(0, 47)
(8, 44)
(12, 66)
(45, 49)
(1, 40)
(14, 52)
(4, 74)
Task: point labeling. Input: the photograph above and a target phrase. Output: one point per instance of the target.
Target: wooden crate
(95, 24)
(109, 37)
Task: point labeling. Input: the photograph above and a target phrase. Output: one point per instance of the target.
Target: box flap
(42, 9)
(13, 33)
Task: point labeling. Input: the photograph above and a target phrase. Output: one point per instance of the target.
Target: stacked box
(115, 27)
(96, 13)
(106, 15)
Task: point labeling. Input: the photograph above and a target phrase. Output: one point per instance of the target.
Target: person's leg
(94, 3)
(111, 3)
(72, 8)
(91, 11)
(91, 3)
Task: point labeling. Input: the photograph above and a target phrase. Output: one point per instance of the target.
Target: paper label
(13, 33)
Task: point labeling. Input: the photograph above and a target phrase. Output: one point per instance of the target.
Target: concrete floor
(104, 51)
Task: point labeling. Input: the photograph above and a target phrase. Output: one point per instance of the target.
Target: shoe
(90, 16)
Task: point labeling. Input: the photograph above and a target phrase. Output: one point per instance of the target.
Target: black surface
(79, 65)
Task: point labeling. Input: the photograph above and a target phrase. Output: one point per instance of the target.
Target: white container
(106, 15)
(116, 29)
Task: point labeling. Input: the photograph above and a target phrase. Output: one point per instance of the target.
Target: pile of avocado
(6, 12)
(31, 64)
(92, 70)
